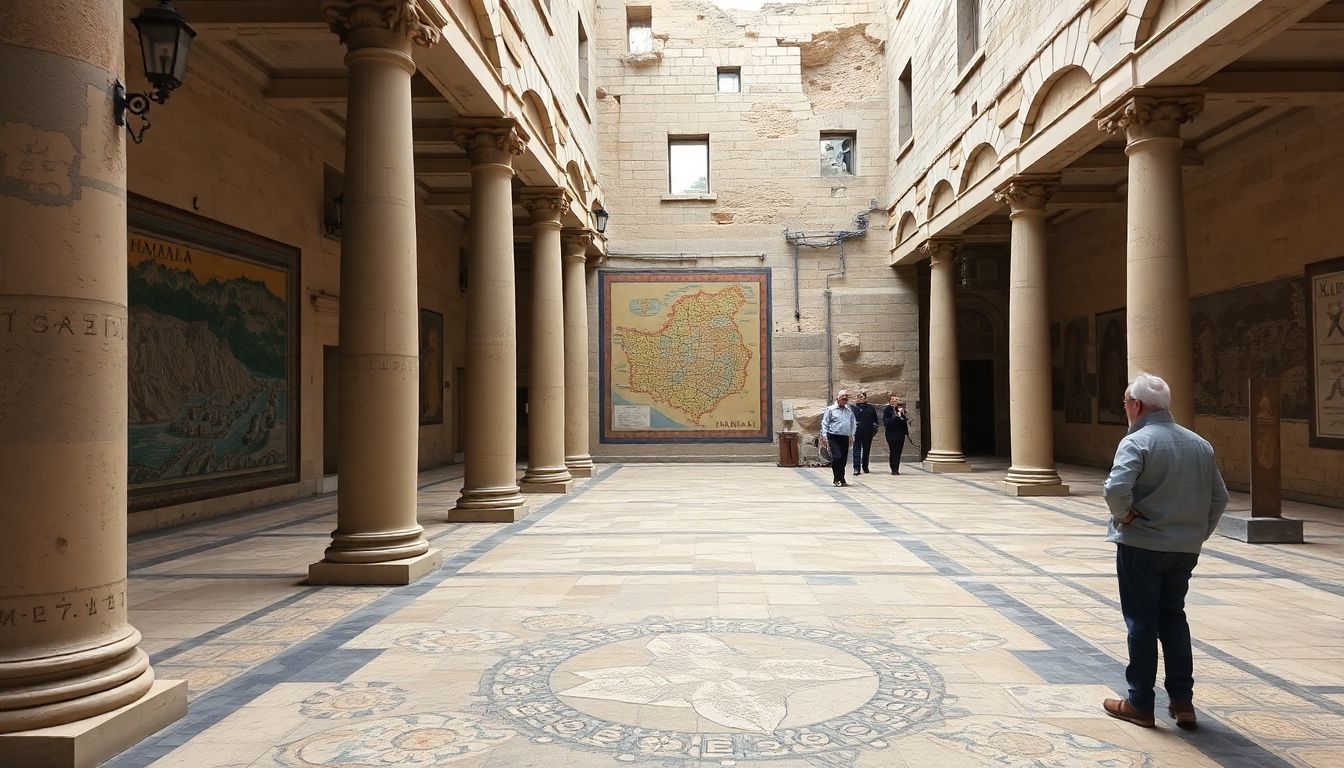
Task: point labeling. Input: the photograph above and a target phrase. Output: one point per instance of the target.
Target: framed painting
(1325, 287)
(213, 365)
(1077, 389)
(685, 355)
(1112, 367)
(431, 367)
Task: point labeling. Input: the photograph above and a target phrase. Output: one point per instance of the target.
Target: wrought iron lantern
(600, 217)
(165, 42)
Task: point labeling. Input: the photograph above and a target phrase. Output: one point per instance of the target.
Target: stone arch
(907, 227)
(1155, 16)
(1071, 48)
(576, 180)
(488, 29)
(979, 164)
(942, 196)
(1061, 90)
(535, 111)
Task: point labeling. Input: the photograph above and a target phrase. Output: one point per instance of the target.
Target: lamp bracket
(135, 104)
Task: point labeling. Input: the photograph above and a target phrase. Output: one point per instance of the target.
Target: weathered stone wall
(806, 68)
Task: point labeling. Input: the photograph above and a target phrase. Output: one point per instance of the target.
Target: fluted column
(67, 650)
(490, 486)
(378, 539)
(1031, 425)
(1157, 281)
(944, 366)
(546, 470)
(575, 244)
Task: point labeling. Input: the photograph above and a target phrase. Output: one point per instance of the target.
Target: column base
(579, 466)
(86, 743)
(940, 467)
(1034, 489)
(528, 486)
(391, 573)
(581, 471)
(503, 504)
(485, 515)
(1260, 530)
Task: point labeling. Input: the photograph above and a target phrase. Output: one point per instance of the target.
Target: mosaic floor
(722, 615)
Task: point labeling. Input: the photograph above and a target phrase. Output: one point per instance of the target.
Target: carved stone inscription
(1266, 457)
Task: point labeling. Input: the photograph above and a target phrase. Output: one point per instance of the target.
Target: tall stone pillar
(490, 487)
(378, 539)
(944, 366)
(1157, 281)
(546, 470)
(1032, 429)
(67, 652)
(575, 243)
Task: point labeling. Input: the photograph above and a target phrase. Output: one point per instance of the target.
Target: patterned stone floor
(721, 615)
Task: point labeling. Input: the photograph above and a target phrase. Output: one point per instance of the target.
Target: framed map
(685, 355)
(1325, 284)
(213, 341)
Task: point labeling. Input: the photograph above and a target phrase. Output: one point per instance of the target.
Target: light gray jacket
(1168, 474)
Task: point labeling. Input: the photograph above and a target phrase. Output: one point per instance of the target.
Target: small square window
(730, 79)
(639, 28)
(688, 165)
(837, 154)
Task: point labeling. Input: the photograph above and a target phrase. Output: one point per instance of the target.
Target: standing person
(896, 426)
(1165, 496)
(837, 426)
(865, 428)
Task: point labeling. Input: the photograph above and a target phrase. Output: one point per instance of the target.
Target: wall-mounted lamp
(165, 41)
(333, 220)
(600, 217)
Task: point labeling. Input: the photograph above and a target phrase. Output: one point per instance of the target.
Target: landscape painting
(213, 346)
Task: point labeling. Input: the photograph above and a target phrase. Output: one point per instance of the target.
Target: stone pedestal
(386, 573)
(1157, 282)
(574, 244)
(70, 661)
(1260, 530)
(490, 490)
(377, 526)
(1031, 425)
(546, 470)
(90, 742)
(944, 373)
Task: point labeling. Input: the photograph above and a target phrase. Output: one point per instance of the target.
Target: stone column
(1032, 427)
(944, 367)
(378, 539)
(490, 487)
(575, 243)
(546, 470)
(67, 651)
(1157, 282)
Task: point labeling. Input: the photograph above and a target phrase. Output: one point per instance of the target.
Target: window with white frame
(688, 165)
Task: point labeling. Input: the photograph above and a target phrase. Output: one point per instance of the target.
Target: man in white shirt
(837, 427)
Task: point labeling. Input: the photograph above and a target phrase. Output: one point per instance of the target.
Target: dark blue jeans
(1152, 597)
(863, 448)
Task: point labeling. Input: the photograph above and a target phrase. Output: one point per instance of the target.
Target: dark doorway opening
(977, 407)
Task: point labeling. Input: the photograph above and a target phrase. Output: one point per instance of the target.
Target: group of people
(1165, 496)
(843, 423)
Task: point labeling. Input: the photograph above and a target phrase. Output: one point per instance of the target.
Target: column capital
(545, 204)
(574, 243)
(490, 139)
(1027, 192)
(939, 250)
(420, 22)
(1150, 113)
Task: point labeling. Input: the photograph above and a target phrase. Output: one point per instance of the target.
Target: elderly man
(837, 427)
(1165, 496)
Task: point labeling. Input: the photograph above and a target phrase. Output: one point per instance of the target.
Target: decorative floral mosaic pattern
(408, 741)
(555, 622)
(352, 700)
(453, 640)
(694, 664)
(1033, 744)
(934, 640)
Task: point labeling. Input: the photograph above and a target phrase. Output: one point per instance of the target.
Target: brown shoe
(1184, 714)
(1121, 709)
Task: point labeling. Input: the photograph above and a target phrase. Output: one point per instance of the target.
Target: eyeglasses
(1129, 400)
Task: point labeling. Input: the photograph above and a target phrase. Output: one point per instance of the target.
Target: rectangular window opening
(838, 156)
(905, 106)
(688, 165)
(968, 31)
(730, 79)
(583, 60)
(639, 27)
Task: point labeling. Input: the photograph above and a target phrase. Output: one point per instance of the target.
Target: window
(968, 31)
(688, 165)
(837, 154)
(905, 107)
(639, 28)
(583, 60)
(730, 79)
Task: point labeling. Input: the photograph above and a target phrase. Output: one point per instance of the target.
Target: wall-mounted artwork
(431, 367)
(685, 355)
(1077, 393)
(1112, 367)
(213, 368)
(1056, 368)
(1252, 331)
(1325, 285)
